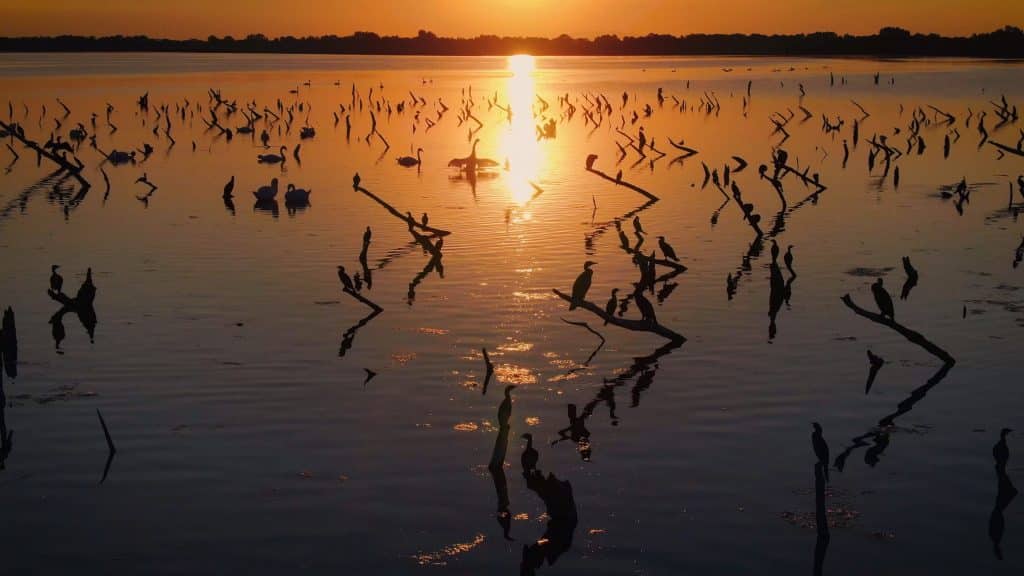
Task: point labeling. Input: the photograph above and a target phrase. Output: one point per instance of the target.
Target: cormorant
(644, 305)
(505, 409)
(883, 299)
(775, 251)
(56, 281)
(1001, 452)
(530, 456)
(636, 225)
(667, 250)
(613, 301)
(356, 180)
(345, 280)
(582, 285)
(788, 259)
(424, 219)
(820, 448)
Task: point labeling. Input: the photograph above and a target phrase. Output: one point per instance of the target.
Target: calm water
(248, 444)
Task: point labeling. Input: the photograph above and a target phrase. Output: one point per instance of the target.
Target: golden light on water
(519, 142)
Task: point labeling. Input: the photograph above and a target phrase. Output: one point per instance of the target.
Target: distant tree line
(1007, 42)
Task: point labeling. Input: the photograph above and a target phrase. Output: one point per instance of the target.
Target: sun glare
(519, 142)
(521, 64)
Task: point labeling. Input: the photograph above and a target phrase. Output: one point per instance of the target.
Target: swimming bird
(530, 455)
(883, 299)
(229, 187)
(273, 158)
(410, 161)
(266, 192)
(613, 301)
(56, 281)
(667, 250)
(582, 284)
(296, 195)
(505, 409)
(787, 259)
(1001, 452)
(345, 280)
(820, 448)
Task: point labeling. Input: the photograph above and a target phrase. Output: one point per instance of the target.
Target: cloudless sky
(581, 18)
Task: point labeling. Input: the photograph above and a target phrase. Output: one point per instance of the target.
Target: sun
(521, 64)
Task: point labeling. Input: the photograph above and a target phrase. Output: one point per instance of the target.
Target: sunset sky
(582, 18)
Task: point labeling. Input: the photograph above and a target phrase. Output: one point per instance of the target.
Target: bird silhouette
(346, 281)
(582, 285)
(613, 301)
(273, 158)
(883, 299)
(410, 161)
(820, 448)
(667, 250)
(56, 281)
(1001, 452)
(505, 409)
(530, 455)
(787, 259)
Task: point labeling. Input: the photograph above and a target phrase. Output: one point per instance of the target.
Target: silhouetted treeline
(1005, 43)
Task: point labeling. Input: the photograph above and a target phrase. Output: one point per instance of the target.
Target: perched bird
(667, 250)
(623, 239)
(356, 180)
(367, 235)
(820, 448)
(636, 225)
(609, 308)
(1001, 452)
(424, 220)
(582, 285)
(505, 409)
(787, 259)
(56, 281)
(775, 251)
(591, 158)
(883, 299)
(346, 281)
(229, 187)
(530, 456)
(644, 305)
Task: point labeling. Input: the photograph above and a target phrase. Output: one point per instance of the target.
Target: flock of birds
(655, 267)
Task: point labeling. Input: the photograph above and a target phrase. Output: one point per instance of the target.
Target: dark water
(247, 444)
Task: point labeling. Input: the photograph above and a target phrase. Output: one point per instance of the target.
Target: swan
(296, 195)
(272, 158)
(264, 193)
(409, 161)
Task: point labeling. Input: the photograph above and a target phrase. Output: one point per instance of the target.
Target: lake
(232, 370)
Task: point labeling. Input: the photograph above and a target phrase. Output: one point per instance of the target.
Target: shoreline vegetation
(1005, 43)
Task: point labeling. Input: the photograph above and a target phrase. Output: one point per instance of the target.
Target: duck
(266, 192)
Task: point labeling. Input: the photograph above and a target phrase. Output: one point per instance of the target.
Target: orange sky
(584, 18)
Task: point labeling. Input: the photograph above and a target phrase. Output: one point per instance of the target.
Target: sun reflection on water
(518, 141)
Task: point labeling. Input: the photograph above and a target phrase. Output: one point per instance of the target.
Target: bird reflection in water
(1005, 493)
